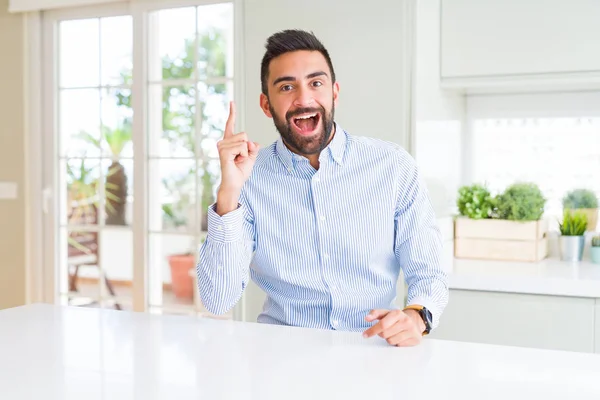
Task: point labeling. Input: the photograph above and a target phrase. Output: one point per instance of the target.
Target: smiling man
(321, 220)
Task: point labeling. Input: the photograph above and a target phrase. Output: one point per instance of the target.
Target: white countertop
(550, 276)
(54, 353)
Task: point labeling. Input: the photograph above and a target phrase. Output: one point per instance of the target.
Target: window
(103, 143)
(559, 154)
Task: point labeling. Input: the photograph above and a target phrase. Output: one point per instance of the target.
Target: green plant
(475, 201)
(580, 198)
(573, 224)
(596, 241)
(521, 201)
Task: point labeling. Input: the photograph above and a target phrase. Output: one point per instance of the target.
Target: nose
(304, 98)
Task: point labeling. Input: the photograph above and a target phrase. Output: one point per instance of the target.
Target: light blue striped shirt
(326, 245)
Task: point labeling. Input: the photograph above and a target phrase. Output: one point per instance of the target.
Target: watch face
(426, 315)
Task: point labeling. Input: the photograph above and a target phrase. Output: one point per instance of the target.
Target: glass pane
(79, 267)
(542, 152)
(172, 121)
(215, 40)
(79, 123)
(172, 195)
(214, 101)
(79, 44)
(174, 31)
(208, 178)
(118, 184)
(80, 180)
(116, 38)
(116, 259)
(172, 264)
(117, 117)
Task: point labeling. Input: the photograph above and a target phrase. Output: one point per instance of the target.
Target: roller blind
(15, 6)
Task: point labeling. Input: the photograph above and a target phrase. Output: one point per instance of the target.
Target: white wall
(439, 124)
(439, 115)
(366, 43)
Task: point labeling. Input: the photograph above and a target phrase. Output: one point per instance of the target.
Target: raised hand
(237, 155)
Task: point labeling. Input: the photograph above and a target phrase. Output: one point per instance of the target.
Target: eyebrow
(292, 79)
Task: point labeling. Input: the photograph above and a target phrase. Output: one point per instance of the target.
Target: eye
(317, 83)
(286, 88)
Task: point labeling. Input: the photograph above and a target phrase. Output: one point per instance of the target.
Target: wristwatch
(425, 315)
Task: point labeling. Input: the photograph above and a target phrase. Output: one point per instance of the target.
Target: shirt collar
(336, 148)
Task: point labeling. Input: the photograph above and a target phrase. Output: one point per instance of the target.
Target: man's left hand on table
(397, 327)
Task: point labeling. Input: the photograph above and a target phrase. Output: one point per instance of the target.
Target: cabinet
(485, 41)
(597, 341)
(524, 320)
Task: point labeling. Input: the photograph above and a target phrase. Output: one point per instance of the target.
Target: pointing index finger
(230, 125)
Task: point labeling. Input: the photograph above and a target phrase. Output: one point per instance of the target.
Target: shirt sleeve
(224, 258)
(418, 243)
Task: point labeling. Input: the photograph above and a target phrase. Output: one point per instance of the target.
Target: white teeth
(306, 116)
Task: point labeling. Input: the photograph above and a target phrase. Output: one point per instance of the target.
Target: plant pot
(595, 254)
(181, 281)
(571, 248)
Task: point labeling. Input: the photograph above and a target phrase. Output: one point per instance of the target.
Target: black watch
(427, 319)
(425, 316)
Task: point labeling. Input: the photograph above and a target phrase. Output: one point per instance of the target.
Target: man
(321, 220)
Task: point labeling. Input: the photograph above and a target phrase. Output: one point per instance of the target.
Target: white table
(51, 353)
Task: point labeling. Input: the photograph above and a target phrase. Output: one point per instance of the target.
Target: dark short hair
(287, 41)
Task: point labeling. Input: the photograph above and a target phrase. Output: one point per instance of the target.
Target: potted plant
(506, 227)
(572, 235)
(595, 250)
(521, 202)
(181, 281)
(475, 202)
(586, 201)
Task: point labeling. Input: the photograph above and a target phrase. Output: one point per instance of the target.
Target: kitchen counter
(548, 277)
(51, 353)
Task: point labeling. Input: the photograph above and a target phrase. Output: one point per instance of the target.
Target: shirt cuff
(226, 228)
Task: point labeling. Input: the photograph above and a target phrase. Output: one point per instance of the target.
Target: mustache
(291, 114)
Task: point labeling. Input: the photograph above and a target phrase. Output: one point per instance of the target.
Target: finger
(405, 338)
(232, 150)
(394, 329)
(388, 319)
(253, 148)
(376, 314)
(237, 138)
(392, 324)
(230, 125)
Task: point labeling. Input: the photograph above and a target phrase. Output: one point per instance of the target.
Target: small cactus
(596, 241)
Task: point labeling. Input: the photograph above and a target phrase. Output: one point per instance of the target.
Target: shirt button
(317, 180)
(333, 287)
(220, 227)
(322, 218)
(326, 257)
(335, 322)
(220, 267)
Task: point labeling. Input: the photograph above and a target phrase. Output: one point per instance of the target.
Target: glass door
(190, 83)
(131, 178)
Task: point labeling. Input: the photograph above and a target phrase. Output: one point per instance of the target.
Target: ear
(264, 104)
(336, 92)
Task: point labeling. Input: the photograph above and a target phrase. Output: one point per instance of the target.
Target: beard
(298, 143)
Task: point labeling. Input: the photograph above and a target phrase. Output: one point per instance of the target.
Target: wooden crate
(493, 239)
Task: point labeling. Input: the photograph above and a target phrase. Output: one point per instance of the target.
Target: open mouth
(306, 124)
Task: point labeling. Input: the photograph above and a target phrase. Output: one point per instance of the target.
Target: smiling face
(301, 100)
